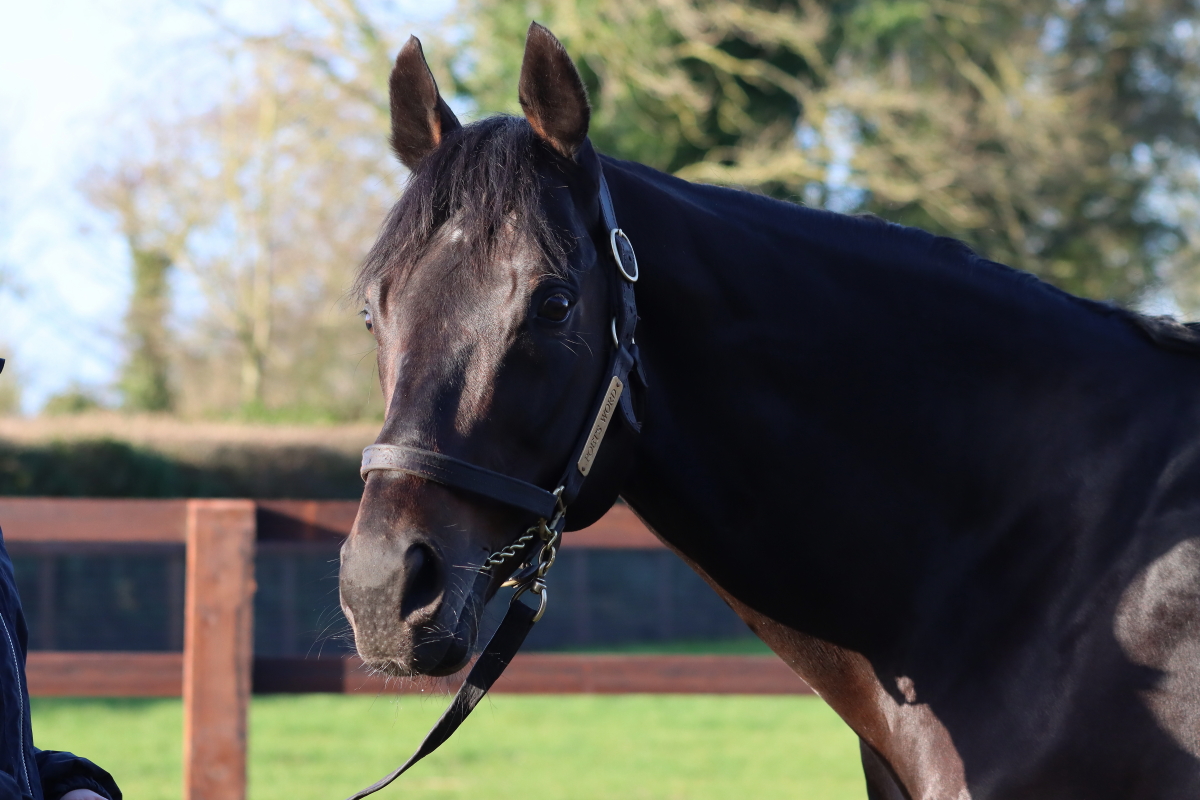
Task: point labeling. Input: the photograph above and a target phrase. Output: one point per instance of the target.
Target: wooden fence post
(218, 647)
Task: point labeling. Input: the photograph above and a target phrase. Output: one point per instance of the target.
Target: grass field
(324, 747)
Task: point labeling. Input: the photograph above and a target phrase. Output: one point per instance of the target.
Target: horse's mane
(485, 176)
(921, 247)
(1169, 332)
(1164, 331)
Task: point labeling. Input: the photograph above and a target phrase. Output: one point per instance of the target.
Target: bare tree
(266, 202)
(1057, 137)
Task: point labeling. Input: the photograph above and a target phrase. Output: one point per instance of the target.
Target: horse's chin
(446, 660)
(434, 654)
(452, 658)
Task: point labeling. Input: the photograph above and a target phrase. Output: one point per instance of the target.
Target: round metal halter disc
(612, 241)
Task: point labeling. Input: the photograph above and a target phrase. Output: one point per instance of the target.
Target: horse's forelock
(486, 178)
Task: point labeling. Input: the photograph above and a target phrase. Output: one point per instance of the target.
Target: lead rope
(505, 642)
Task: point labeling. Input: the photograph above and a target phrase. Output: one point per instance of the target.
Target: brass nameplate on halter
(607, 409)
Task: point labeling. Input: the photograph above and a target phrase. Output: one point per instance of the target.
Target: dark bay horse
(963, 505)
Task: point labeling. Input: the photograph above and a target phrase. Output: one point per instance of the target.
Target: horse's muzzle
(411, 612)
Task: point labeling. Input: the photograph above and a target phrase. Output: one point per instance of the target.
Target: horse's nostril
(422, 580)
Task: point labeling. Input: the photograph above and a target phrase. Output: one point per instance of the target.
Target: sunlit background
(122, 125)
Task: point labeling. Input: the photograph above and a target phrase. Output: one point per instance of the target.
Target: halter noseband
(458, 474)
(550, 507)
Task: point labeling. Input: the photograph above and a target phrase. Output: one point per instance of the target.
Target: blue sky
(63, 64)
(65, 67)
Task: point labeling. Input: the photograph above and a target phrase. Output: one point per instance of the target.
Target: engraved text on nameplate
(607, 409)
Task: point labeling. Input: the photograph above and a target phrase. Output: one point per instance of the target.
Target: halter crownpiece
(550, 507)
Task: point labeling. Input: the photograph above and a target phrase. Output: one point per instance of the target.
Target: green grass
(139, 741)
(325, 747)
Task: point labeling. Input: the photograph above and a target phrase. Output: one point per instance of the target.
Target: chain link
(542, 530)
(536, 583)
(500, 556)
(550, 534)
(547, 555)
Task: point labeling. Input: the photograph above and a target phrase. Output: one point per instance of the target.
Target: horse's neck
(830, 420)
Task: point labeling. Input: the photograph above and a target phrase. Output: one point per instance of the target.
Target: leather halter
(458, 474)
(614, 403)
(614, 395)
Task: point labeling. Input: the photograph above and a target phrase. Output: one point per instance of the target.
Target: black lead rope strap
(500, 649)
(550, 507)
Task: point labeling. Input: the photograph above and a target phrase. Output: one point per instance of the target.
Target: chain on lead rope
(530, 577)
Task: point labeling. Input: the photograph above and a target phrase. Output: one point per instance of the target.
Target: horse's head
(493, 329)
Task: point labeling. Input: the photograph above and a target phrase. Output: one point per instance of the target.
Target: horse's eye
(555, 307)
(367, 319)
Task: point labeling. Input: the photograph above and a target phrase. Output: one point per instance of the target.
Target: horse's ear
(420, 117)
(552, 92)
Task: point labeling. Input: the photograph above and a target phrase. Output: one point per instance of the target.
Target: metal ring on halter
(616, 341)
(612, 240)
(543, 595)
(537, 587)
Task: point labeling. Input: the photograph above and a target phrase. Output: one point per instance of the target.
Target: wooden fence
(217, 671)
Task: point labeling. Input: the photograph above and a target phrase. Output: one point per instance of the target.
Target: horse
(961, 504)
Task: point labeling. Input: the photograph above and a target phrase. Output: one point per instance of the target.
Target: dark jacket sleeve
(59, 772)
(63, 772)
(10, 789)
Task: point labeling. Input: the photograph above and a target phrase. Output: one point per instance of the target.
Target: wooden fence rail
(67, 520)
(73, 674)
(217, 670)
